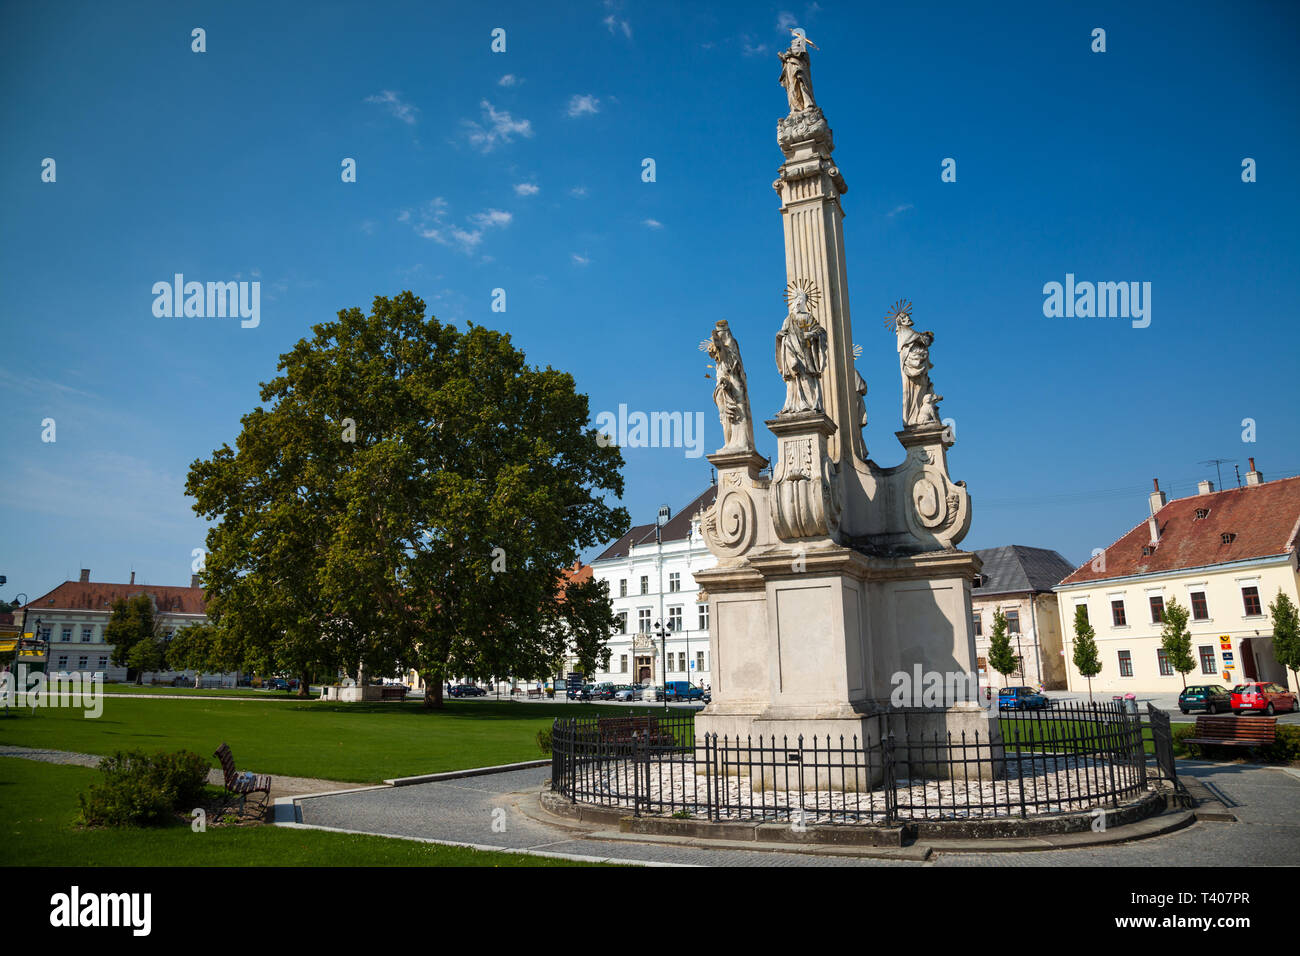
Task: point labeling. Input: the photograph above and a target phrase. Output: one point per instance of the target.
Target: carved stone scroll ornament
(937, 508)
(805, 495)
(731, 524)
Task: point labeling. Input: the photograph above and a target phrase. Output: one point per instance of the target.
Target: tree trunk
(432, 692)
(303, 689)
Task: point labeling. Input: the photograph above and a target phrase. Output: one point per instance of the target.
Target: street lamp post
(662, 632)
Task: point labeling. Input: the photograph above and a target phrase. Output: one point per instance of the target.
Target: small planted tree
(1086, 659)
(1286, 634)
(1177, 640)
(1001, 656)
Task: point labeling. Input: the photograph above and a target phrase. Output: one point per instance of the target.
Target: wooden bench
(1234, 731)
(534, 692)
(389, 692)
(241, 785)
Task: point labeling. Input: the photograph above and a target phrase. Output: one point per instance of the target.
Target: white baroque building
(651, 575)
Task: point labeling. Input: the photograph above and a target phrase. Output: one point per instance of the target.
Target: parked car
(275, 683)
(628, 692)
(468, 690)
(1210, 698)
(682, 690)
(650, 692)
(1264, 696)
(1020, 698)
(603, 692)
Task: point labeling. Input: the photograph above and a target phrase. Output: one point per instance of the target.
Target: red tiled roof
(97, 596)
(1263, 519)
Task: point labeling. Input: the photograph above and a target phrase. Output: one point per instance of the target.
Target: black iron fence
(1070, 758)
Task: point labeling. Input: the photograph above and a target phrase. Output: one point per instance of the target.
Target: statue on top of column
(796, 74)
(920, 402)
(731, 393)
(801, 351)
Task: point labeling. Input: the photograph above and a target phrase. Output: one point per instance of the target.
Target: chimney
(194, 580)
(1157, 500)
(1253, 477)
(1205, 488)
(133, 577)
(85, 575)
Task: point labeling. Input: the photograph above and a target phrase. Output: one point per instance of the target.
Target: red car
(1269, 698)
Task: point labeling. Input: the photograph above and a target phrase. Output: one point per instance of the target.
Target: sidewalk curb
(471, 772)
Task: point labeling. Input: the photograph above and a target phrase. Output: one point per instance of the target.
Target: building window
(681, 662)
(1162, 658)
(622, 587)
(704, 616)
(622, 663)
(979, 625)
(1013, 621)
(645, 584)
(1250, 598)
(66, 634)
(622, 622)
(675, 618)
(87, 634)
(1117, 616)
(674, 580)
(643, 620)
(81, 662)
(1208, 665)
(1200, 609)
(63, 663)
(1157, 609)
(1125, 664)
(699, 660)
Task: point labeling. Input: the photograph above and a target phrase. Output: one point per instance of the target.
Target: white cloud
(527, 189)
(395, 105)
(497, 127)
(580, 260)
(432, 223)
(582, 105)
(652, 223)
(615, 24)
(750, 49)
(491, 217)
(785, 20)
(578, 192)
(897, 209)
(508, 80)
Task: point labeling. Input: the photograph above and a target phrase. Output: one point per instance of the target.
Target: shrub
(544, 739)
(142, 789)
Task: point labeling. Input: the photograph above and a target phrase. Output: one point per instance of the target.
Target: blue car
(1020, 698)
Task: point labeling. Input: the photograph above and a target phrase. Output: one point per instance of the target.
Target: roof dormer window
(1227, 537)
(1202, 513)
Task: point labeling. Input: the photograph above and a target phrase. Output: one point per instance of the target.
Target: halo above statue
(802, 298)
(901, 314)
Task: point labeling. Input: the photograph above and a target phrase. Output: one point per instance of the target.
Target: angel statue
(801, 357)
(731, 393)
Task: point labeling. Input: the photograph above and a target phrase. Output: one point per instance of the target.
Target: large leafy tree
(406, 497)
(1176, 640)
(1086, 659)
(133, 630)
(1286, 634)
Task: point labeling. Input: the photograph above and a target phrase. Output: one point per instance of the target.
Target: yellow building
(1223, 555)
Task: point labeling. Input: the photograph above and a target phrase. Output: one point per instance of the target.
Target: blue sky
(522, 170)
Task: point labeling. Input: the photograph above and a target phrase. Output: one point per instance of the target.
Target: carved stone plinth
(805, 492)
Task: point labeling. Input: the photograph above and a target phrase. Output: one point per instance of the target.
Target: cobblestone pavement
(1266, 800)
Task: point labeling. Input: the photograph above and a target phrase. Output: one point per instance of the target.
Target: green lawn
(147, 689)
(363, 743)
(40, 809)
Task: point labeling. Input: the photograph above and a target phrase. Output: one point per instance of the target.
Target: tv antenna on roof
(1217, 462)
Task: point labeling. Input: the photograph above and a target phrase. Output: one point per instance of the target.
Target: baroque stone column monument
(834, 574)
